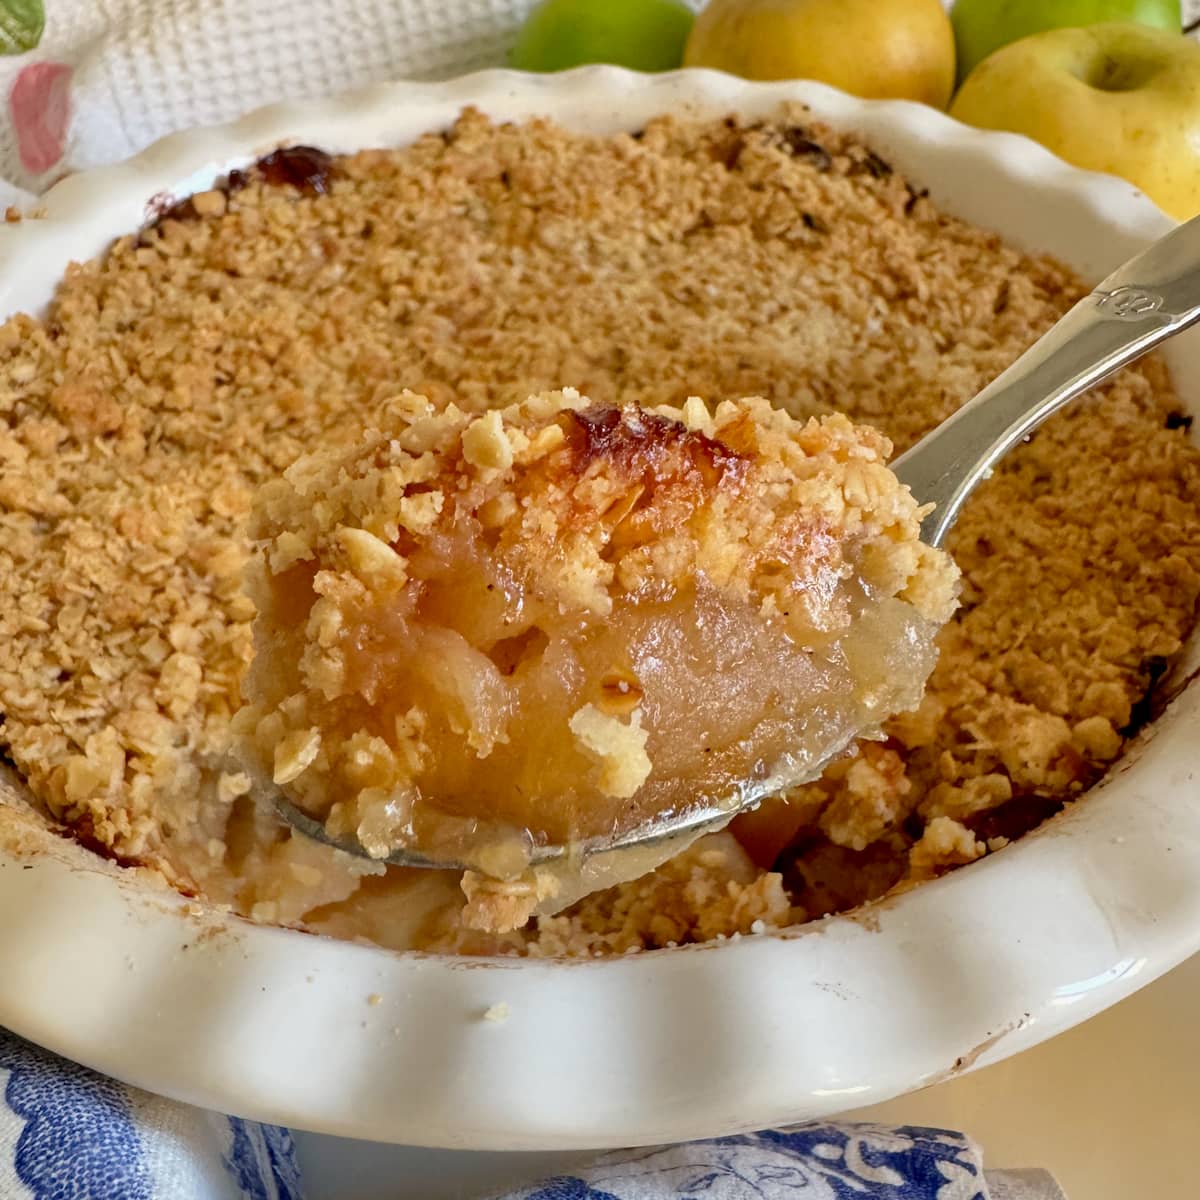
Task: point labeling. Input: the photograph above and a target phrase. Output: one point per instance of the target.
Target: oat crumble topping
(199, 359)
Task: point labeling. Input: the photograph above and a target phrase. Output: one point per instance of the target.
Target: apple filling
(559, 622)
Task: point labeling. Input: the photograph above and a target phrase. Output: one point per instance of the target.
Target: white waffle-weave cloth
(109, 77)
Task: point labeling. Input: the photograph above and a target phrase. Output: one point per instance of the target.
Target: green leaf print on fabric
(21, 25)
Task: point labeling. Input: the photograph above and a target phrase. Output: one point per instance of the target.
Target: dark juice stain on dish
(1148, 706)
(161, 207)
(305, 168)
(822, 877)
(1014, 818)
(83, 831)
(800, 145)
(914, 195)
(873, 165)
(309, 170)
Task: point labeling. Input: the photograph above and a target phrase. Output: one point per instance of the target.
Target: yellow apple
(1117, 97)
(897, 49)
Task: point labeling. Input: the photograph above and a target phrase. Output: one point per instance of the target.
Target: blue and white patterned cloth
(67, 1133)
(807, 1162)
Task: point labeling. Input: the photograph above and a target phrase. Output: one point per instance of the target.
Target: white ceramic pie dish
(664, 1046)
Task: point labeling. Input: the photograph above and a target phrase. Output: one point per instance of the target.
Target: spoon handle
(1154, 296)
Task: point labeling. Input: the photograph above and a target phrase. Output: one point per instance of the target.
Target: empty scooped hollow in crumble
(560, 621)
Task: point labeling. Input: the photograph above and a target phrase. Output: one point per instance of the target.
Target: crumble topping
(198, 359)
(618, 746)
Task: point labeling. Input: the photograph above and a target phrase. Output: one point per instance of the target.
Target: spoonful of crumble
(546, 632)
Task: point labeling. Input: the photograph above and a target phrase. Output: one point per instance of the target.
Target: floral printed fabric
(67, 1133)
(809, 1162)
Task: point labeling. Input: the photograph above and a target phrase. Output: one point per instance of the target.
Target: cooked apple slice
(555, 622)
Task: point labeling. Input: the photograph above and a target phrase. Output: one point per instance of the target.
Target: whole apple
(897, 49)
(646, 35)
(982, 26)
(1116, 97)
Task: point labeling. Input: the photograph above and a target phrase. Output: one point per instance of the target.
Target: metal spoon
(1151, 298)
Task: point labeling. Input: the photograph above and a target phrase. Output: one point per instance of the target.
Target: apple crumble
(558, 621)
(284, 310)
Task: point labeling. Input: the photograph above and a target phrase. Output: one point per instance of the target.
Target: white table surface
(1112, 1108)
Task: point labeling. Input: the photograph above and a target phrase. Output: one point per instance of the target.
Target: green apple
(1118, 97)
(892, 49)
(981, 26)
(646, 35)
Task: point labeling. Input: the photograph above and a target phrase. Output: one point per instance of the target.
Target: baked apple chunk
(557, 621)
